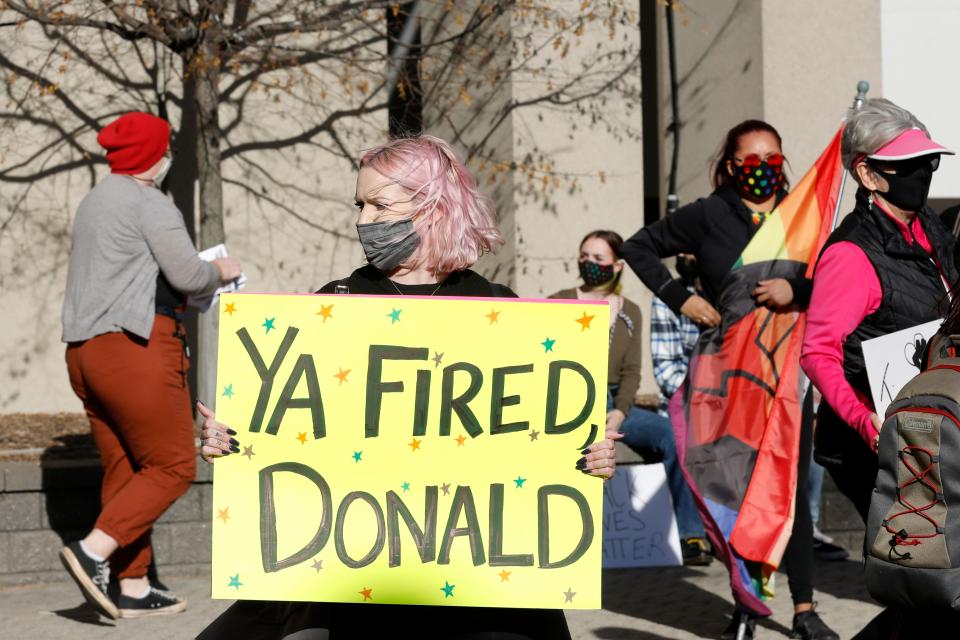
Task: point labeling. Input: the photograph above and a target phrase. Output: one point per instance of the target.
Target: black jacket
(716, 230)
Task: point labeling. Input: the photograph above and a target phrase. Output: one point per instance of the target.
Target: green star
(447, 589)
(548, 345)
(357, 455)
(405, 486)
(228, 391)
(268, 324)
(520, 482)
(235, 582)
(394, 315)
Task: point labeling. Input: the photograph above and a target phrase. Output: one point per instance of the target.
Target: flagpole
(862, 87)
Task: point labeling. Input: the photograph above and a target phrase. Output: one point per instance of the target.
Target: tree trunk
(207, 69)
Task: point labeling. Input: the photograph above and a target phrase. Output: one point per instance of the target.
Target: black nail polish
(586, 451)
(586, 471)
(581, 462)
(234, 449)
(234, 441)
(231, 432)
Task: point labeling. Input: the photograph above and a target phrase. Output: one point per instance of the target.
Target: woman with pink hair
(422, 224)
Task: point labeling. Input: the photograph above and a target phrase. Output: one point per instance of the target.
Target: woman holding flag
(723, 445)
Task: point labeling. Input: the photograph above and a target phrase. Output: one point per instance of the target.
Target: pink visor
(912, 143)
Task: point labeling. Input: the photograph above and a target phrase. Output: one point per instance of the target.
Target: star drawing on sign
(584, 321)
(230, 309)
(534, 434)
(342, 376)
(224, 514)
(394, 315)
(548, 345)
(325, 312)
(268, 324)
(519, 481)
(317, 564)
(504, 575)
(414, 444)
(494, 316)
(357, 455)
(405, 486)
(235, 582)
(302, 437)
(445, 487)
(460, 440)
(447, 589)
(367, 593)
(248, 452)
(437, 358)
(568, 594)
(227, 391)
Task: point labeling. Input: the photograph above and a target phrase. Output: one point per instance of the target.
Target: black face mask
(909, 185)
(595, 274)
(687, 268)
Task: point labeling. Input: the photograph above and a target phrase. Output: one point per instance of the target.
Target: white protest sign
(890, 361)
(203, 303)
(639, 526)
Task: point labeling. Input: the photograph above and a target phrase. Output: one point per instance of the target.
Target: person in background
(131, 265)
(672, 338)
(716, 230)
(600, 266)
(887, 267)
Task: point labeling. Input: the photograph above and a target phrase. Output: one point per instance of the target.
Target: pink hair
(454, 220)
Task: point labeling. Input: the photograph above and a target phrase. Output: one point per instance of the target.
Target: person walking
(131, 264)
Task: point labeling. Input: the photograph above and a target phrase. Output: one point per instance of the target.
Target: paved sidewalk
(639, 604)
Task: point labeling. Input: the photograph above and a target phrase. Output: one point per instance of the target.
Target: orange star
(460, 440)
(325, 312)
(584, 321)
(504, 575)
(224, 515)
(230, 308)
(493, 315)
(367, 593)
(343, 374)
(302, 437)
(414, 444)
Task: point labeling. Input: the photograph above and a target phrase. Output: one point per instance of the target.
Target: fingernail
(234, 449)
(586, 451)
(234, 441)
(201, 402)
(231, 432)
(581, 463)
(586, 471)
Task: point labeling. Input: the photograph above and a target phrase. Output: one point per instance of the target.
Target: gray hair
(874, 124)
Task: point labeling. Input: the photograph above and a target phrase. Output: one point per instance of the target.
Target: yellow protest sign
(403, 450)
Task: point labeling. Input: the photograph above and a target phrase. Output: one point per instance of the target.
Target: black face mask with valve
(909, 184)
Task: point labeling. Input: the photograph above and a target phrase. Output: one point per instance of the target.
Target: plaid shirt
(672, 339)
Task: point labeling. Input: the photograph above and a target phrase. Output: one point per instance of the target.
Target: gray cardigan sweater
(123, 234)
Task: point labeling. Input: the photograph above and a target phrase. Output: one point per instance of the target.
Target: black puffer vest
(913, 291)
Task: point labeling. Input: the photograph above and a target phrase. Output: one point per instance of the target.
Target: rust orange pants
(135, 394)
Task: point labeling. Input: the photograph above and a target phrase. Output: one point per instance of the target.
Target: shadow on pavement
(622, 633)
(82, 613)
(654, 594)
(842, 579)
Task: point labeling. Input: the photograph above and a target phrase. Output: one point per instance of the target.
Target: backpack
(912, 542)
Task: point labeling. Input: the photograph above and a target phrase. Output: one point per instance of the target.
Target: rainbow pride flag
(737, 418)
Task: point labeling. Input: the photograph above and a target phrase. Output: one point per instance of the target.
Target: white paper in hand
(890, 361)
(203, 303)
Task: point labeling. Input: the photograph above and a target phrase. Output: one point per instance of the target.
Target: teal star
(447, 589)
(268, 324)
(228, 391)
(405, 486)
(520, 482)
(548, 345)
(394, 315)
(357, 455)
(235, 582)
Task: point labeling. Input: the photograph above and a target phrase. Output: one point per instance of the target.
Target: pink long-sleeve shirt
(846, 290)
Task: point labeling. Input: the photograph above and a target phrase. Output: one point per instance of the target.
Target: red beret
(134, 142)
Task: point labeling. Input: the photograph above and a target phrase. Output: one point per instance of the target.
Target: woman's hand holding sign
(215, 439)
(600, 458)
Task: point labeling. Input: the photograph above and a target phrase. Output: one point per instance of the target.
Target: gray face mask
(388, 244)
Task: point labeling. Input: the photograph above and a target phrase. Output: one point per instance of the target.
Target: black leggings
(798, 556)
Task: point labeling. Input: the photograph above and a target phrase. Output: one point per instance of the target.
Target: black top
(167, 296)
(369, 280)
(716, 230)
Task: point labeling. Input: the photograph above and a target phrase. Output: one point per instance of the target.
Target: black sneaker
(809, 626)
(696, 553)
(157, 602)
(732, 632)
(92, 576)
